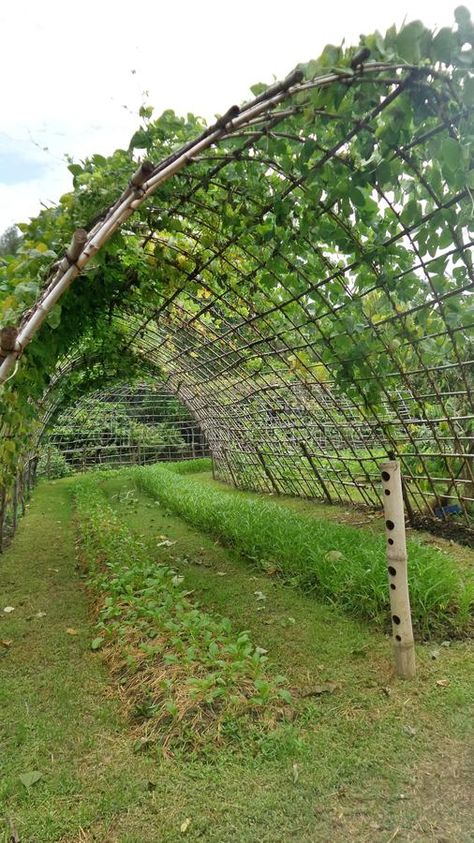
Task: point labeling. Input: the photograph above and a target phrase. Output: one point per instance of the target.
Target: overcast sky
(74, 74)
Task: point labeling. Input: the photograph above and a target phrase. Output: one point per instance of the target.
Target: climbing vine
(327, 224)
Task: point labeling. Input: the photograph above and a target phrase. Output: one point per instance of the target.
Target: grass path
(358, 764)
(56, 715)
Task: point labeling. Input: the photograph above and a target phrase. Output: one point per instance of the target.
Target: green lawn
(366, 757)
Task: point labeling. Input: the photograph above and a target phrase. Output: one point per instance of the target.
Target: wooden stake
(312, 463)
(267, 472)
(404, 647)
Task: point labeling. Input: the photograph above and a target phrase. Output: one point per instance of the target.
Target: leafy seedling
(29, 779)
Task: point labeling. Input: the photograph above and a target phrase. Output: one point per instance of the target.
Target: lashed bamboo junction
(299, 274)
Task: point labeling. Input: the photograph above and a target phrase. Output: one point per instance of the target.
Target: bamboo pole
(319, 478)
(15, 506)
(144, 182)
(403, 643)
(267, 472)
(3, 499)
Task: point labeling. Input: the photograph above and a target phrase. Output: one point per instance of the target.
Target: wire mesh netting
(130, 424)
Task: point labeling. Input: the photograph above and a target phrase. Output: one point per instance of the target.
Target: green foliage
(99, 428)
(52, 463)
(333, 561)
(268, 257)
(189, 676)
(190, 466)
(10, 241)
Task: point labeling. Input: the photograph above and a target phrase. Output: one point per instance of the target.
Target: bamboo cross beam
(403, 643)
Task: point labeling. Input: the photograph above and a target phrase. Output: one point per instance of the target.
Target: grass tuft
(337, 562)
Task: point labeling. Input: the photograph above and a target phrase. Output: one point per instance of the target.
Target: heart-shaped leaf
(29, 779)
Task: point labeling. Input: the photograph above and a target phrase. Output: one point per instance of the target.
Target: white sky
(67, 81)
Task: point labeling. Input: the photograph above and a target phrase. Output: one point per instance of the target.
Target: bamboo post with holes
(403, 643)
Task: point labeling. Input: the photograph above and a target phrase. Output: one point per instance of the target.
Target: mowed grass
(56, 717)
(366, 758)
(335, 562)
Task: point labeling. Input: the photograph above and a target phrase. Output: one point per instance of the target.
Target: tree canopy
(10, 241)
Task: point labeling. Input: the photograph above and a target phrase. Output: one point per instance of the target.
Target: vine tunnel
(299, 274)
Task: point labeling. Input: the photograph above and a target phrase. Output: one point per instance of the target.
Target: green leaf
(140, 140)
(330, 55)
(96, 644)
(29, 779)
(146, 111)
(99, 160)
(408, 41)
(462, 16)
(171, 707)
(384, 173)
(258, 89)
(357, 197)
(54, 317)
(451, 153)
(443, 45)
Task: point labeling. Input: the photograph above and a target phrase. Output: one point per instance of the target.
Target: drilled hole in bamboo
(393, 586)
(385, 476)
(387, 491)
(390, 541)
(392, 571)
(398, 638)
(396, 619)
(389, 525)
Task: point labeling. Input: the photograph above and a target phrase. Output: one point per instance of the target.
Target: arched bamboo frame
(295, 427)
